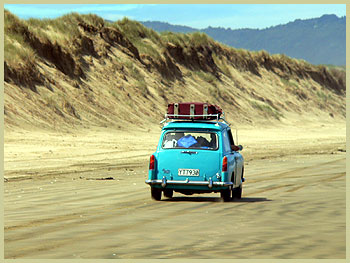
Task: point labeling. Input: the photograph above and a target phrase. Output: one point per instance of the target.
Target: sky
(234, 16)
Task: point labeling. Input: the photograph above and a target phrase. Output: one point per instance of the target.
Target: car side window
(232, 142)
(226, 142)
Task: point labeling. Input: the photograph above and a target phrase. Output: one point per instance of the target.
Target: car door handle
(189, 152)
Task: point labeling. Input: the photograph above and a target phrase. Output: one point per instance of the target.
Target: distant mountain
(318, 40)
(162, 26)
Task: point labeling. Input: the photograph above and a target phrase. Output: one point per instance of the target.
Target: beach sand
(83, 195)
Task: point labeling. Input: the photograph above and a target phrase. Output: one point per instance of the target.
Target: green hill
(318, 41)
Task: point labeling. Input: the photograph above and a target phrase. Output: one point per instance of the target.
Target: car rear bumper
(164, 182)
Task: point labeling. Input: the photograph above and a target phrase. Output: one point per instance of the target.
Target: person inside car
(201, 142)
(212, 143)
(235, 148)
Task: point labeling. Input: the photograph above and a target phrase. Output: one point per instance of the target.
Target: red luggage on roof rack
(194, 111)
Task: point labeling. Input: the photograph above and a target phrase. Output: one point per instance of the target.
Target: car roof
(214, 125)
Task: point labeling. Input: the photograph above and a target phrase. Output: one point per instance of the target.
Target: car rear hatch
(189, 158)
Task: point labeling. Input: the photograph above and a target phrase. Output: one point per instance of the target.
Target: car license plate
(188, 172)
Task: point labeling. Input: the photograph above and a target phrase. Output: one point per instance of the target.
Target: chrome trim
(164, 182)
(176, 109)
(192, 106)
(210, 185)
(188, 182)
(204, 116)
(205, 109)
(189, 152)
(193, 115)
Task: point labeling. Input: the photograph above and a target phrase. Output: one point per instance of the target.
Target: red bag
(193, 111)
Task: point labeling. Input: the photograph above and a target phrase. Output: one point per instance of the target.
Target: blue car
(196, 157)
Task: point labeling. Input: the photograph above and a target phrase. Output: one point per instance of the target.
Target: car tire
(226, 195)
(156, 193)
(242, 176)
(168, 193)
(237, 192)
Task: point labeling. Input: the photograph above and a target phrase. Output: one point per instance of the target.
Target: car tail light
(151, 162)
(224, 164)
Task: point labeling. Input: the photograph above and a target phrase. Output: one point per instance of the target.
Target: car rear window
(190, 139)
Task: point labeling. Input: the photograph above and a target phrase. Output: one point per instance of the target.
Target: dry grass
(137, 33)
(266, 109)
(16, 48)
(221, 62)
(61, 30)
(115, 80)
(200, 39)
(176, 39)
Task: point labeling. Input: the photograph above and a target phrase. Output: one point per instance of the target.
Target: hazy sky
(194, 15)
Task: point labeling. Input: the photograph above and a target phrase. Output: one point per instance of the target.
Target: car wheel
(156, 193)
(226, 195)
(237, 192)
(168, 193)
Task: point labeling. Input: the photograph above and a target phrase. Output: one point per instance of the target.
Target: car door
(238, 161)
(226, 147)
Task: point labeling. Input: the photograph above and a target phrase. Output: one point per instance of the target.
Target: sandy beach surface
(82, 195)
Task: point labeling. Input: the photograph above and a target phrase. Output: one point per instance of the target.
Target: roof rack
(194, 118)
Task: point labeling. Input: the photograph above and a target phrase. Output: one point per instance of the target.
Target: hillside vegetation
(79, 71)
